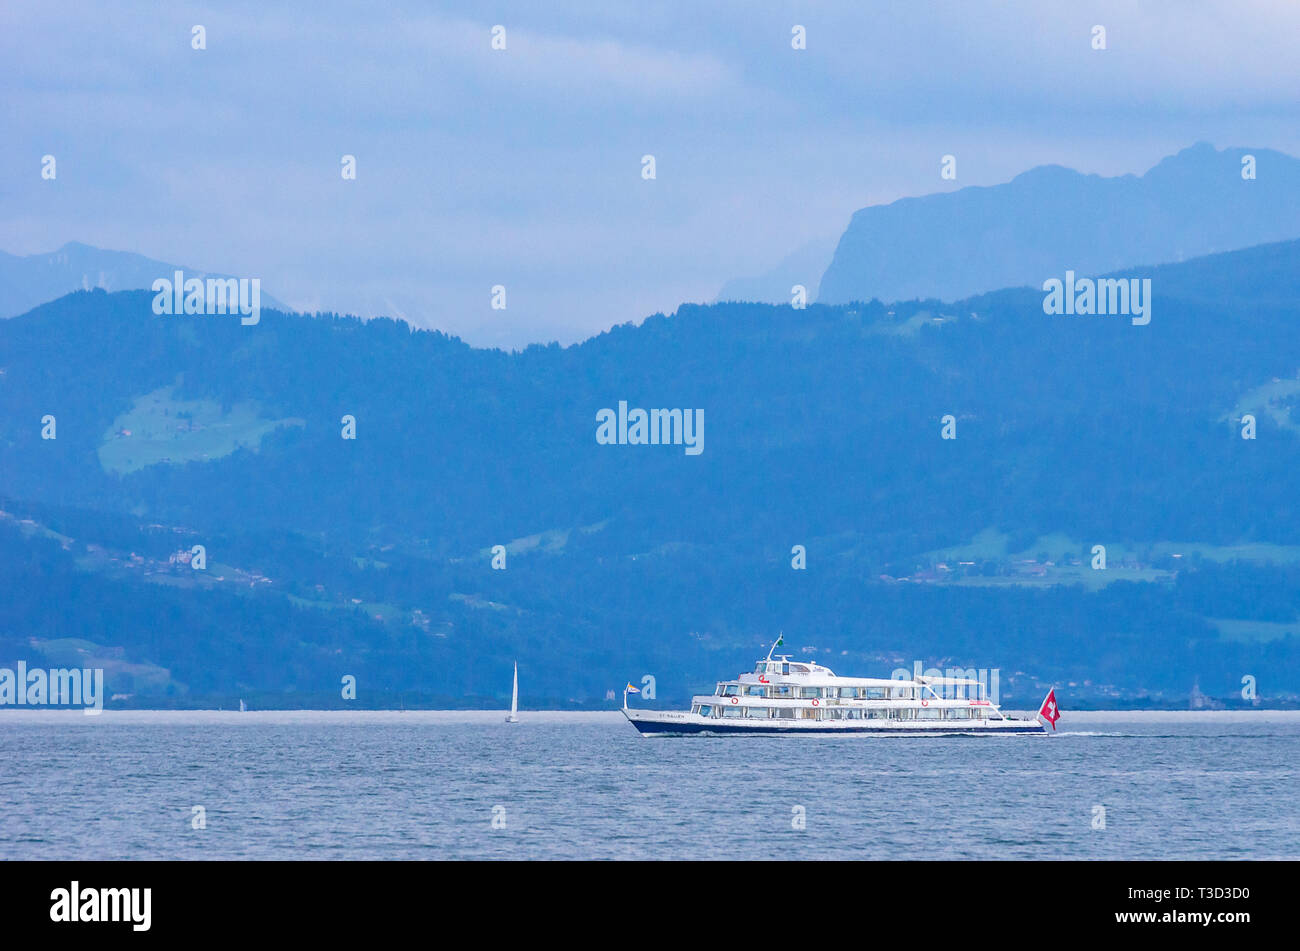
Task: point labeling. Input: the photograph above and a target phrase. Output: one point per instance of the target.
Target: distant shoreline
(49, 715)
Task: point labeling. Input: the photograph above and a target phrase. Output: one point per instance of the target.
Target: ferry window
(705, 710)
(758, 712)
(785, 713)
(811, 692)
(732, 711)
(731, 690)
(799, 668)
(783, 690)
(875, 693)
(756, 691)
(718, 692)
(847, 691)
(758, 668)
(785, 668)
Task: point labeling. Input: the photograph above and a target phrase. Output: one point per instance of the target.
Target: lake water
(427, 785)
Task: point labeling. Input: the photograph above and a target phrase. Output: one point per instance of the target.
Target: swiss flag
(1048, 711)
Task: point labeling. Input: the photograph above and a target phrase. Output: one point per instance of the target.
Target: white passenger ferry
(787, 696)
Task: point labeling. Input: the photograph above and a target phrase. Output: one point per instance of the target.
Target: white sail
(514, 698)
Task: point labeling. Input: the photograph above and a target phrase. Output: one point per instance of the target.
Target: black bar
(579, 901)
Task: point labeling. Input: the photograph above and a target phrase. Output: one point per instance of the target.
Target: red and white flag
(1048, 711)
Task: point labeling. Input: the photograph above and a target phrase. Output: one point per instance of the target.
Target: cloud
(523, 167)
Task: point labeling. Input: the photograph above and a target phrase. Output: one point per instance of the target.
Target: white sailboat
(514, 698)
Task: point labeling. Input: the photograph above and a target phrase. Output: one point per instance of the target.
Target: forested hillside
(823, 428)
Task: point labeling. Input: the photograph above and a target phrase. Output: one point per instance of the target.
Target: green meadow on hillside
(160, 428)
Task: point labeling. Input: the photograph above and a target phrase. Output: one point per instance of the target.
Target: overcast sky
(523, 167)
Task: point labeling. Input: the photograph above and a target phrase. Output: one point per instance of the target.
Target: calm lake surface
(427, 785)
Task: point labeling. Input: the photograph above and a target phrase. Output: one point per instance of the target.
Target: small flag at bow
(630, 689)
(1049, 711)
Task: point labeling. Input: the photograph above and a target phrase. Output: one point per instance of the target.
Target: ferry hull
(657, 723)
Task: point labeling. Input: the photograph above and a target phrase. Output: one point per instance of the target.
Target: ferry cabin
(782, 689)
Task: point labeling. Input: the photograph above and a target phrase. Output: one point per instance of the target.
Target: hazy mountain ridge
(30, 280)
(805, 265)
(1045, 220)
